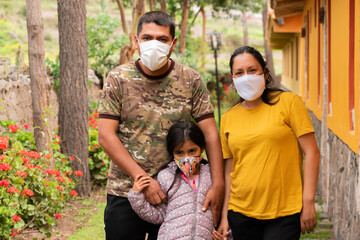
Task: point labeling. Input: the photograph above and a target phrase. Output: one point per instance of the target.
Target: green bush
(104, 47)
(31, 193)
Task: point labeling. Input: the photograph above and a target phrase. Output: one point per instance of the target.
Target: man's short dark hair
(159, 18)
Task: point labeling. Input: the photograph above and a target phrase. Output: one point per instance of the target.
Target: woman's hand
(223, 230)
(308, 217)
(140, 183)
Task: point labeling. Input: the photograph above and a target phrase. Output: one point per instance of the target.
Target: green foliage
(54, 68)
(31, 193)
(103, 49)
(99, 161)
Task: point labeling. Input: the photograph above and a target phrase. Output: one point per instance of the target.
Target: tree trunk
(163, 5)
(127, 52)
(73, 97)
(151, 5)
(203, 42)
(268, 52)
(184, 20)
(38, 83)
(122, 16)
(245, 28)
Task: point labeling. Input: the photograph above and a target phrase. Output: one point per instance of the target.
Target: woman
(264, 137)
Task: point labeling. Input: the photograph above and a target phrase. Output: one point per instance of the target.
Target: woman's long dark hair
(270, 93)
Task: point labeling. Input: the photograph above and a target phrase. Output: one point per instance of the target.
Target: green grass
(94, 228)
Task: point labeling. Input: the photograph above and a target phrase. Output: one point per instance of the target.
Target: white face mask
(250, 87)
(154, 54)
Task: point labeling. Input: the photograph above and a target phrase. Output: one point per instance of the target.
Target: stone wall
(16, 95)
(339, 184)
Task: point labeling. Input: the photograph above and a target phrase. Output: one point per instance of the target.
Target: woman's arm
(311, 173)
(224, 223)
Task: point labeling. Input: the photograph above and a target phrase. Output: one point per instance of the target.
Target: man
(140, 101)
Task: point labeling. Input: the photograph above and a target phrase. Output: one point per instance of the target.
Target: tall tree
(268, 52)
(163, 5)
(184, 28)
(38, 83)
(127, 52)
(73, 97)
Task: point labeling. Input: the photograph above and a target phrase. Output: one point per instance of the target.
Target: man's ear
(136, 42)
(174, 44)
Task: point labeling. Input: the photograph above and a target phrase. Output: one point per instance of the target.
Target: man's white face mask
(154, 54)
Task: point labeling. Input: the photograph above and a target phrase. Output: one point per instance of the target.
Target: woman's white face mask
(250, 87)
(154, 54)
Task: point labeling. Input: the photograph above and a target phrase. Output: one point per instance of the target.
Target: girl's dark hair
(267, 97)
(181, 132)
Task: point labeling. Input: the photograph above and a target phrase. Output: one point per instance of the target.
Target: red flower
(48, 156)
(16, 218)
(25, 160)
(57, 215)
(57, 139)
(24, 153)
(61, 179)
(96, 114)
(72, 158)
(26, 126)
(73, 193)
(64, 160)
(21, 173)
(34, 155)
(29, 165)
(2, 157)
(4, 183)
(59, 188)
(103, 163)
(38, 167)
(13, 190)
(13, 128)
(47, 185)
(4, 167)
(27, 192)
(79, 173)
(3, 144)
(52, 172)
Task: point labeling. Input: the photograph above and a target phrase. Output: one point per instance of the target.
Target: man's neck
(158, 72)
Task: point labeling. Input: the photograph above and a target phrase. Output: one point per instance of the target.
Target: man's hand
(214, 198)
(153, 193)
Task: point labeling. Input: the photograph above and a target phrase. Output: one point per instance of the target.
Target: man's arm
(215, 196)
(121, 157)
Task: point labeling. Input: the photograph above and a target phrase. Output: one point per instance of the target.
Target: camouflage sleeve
(202, 107)
(110, 99)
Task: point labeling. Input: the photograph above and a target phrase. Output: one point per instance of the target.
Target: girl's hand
(218, 236)
(140, 183)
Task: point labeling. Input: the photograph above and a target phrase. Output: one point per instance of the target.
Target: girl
(186, 180)
(263, 138)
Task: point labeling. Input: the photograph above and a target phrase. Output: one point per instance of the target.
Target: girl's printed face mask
(188, 165)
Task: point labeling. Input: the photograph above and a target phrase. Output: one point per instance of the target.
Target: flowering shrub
(31, 193)
(99, 161)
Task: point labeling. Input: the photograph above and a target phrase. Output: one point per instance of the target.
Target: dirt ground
(67, 225)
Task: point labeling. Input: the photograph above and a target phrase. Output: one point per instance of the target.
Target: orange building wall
(291, 77)
(339, 118)
(313, 97)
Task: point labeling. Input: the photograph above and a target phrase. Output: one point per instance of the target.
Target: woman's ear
(266, 74)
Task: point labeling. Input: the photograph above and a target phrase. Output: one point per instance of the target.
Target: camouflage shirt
(146, 108)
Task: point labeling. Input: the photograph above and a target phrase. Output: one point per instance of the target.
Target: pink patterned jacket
(181, 217)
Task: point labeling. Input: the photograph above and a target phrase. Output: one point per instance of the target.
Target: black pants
(121, 222)
(246, 228)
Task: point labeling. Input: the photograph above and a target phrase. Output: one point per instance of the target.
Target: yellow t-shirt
(266, 177)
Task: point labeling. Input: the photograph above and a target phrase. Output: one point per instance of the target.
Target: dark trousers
(121, 222)
(246, 228)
